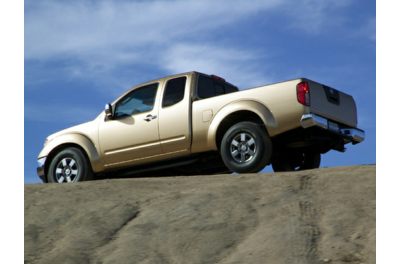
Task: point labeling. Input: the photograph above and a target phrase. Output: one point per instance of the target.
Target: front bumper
(355, 135)
(40, 169)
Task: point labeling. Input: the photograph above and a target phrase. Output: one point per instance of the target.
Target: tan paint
(207, 115)
(144, 160)
(240, 105)
(79, 139)
(184, 128)
(345, 113)
(275, 104)
(174, 121)
(130, 138)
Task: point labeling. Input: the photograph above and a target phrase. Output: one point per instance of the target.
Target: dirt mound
(315, 216)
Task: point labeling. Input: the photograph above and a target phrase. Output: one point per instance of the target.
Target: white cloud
(81, 28)
(100, 37)
(313, 16)
(232, 64)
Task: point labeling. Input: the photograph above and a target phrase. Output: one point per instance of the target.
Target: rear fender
(244, 105)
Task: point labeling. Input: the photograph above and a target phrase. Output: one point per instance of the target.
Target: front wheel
(246, 147)
(296, 161)
(69, 165)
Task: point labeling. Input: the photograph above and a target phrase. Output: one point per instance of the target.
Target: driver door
(131, 136)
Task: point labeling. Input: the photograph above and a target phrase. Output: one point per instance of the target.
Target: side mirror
(108, 111)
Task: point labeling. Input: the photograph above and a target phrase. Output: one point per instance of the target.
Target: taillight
(303, 93)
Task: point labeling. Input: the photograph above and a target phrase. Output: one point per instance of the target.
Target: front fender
(243, 105)
(78, 139)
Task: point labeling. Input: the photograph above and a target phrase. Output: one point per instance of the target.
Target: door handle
(150, 117)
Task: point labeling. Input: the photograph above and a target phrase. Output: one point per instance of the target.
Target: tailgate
(332, 104)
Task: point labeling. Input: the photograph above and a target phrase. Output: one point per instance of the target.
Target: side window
(138, 101)
(230, 88)
(174, 91)
(219, 88)
(205, 87)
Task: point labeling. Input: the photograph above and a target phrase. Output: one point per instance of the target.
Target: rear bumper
(355, 135)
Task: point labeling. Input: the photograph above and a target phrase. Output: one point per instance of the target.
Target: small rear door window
(174, 91)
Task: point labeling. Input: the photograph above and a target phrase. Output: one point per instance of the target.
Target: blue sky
(80, 55)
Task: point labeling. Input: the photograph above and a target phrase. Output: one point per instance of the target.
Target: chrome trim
(41, 161)
(40, 168)
(356, 134)
(309, 120)
(243, 147)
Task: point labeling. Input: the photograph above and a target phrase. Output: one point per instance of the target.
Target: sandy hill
(315, 216)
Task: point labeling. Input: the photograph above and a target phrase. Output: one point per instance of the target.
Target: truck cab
(154, 120)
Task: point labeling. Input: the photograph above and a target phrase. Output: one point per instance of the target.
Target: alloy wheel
(67, 170)
(243, 147)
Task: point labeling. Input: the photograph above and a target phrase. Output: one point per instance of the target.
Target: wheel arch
(79, 141)
(235, 112)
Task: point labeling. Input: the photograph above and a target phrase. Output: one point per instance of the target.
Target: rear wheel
(246, 147)
(296, 161)
(69, 165)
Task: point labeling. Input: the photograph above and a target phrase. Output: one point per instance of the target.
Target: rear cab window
(209, 87)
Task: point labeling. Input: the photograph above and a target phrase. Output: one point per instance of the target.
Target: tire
(246, 148)
(296, 161)
(69, 165)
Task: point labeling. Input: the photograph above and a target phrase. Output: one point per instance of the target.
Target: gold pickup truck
(194, 123)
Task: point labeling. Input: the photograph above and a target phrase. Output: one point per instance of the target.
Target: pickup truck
(194, 123)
